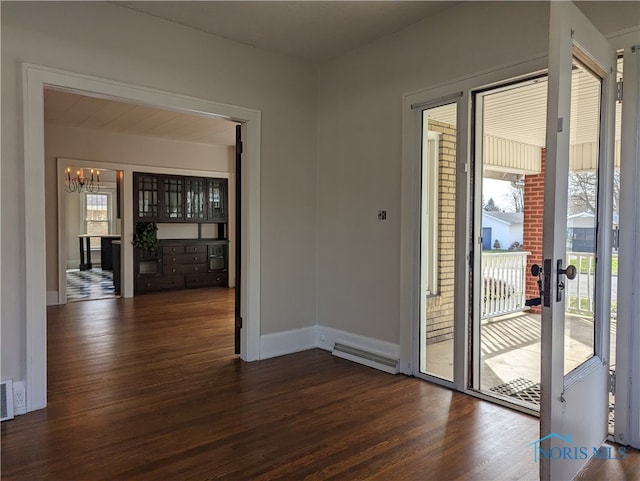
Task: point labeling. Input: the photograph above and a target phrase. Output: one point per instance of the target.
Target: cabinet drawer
(172, 249)
(195, 249)
(208, 279)
(184, 259)
(174, 269)
(149, 284)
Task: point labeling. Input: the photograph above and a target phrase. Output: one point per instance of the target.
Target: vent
(6, 400)
(376, 360)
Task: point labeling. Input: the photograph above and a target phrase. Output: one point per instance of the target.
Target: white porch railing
(580, 291)
(503, 282)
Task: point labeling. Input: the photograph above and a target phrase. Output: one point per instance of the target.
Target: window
(97, 216)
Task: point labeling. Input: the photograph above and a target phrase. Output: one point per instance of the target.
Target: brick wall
(532, 228)
(440, 307)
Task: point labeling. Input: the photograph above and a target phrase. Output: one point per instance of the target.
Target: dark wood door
(238, 314)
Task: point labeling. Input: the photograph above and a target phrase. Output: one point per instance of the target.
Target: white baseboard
(52, 298)
(287, 342)
(73, 263)
(296, 340)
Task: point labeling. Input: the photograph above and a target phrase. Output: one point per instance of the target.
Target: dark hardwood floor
(149, 389)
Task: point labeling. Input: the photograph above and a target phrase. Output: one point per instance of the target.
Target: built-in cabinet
(182, 263)
(171, 198)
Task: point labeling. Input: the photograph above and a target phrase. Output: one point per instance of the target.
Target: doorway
(36, 79)
(90, 232)
(510, 151)
(509, 156)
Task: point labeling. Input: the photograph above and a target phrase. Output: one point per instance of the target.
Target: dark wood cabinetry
(172, 198)
(181, 264)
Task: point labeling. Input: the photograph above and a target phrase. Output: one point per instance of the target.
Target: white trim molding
(303, 339)
(35, 78)
(288, 342)
(52, 298)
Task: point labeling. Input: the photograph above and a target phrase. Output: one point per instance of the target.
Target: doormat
(521, 389)
(529, 391)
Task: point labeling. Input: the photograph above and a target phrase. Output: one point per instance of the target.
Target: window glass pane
(582, 216)
(437, 240)
(96, 216)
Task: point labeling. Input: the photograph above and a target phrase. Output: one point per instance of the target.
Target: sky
(500, 190)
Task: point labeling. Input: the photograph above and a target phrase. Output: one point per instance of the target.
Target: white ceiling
(315, 31)
(66, 108)
(310, 30)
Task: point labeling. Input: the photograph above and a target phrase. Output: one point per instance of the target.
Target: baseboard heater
(376, 360)
(6, 400)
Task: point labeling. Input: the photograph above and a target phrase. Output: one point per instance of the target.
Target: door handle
(536, 271)
(571, 272)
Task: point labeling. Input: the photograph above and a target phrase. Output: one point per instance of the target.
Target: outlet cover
(19, 398)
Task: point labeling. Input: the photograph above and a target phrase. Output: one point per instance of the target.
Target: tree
(516, 196)
(583, 191)
(490, 206)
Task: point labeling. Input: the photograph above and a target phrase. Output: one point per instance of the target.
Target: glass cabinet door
(147, 191)
(217, 199)
(217, 257)
(194, 198)
(173, 198)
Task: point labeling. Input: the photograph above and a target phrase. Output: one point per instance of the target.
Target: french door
(580, 113)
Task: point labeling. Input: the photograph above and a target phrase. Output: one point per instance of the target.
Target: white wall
(99, 146)
(107, 41)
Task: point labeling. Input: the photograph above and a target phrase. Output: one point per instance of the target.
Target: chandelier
(80, 183)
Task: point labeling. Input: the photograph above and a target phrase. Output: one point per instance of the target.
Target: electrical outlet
(19, 398)
(382, 214)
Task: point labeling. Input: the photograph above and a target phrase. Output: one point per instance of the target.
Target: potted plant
(145, 237)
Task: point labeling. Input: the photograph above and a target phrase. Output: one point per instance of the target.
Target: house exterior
(330, 149)
(581, 232)
(503, 227)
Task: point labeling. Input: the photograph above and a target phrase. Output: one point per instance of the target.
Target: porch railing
(503, 282)
(580, 291)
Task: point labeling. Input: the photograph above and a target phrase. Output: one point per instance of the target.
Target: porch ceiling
(519, 113)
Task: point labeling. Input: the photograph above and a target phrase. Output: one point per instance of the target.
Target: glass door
(509, 182)
(580, 121)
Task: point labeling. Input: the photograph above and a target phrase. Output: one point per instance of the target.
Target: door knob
(570, 272)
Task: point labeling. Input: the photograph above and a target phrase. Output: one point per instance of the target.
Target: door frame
(477, 96)
(34, 80)
(411, 211)
(627, 404)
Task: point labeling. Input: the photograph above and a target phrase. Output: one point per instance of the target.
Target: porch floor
(510, 353)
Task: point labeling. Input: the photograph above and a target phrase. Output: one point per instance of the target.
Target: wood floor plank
(149, 389)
